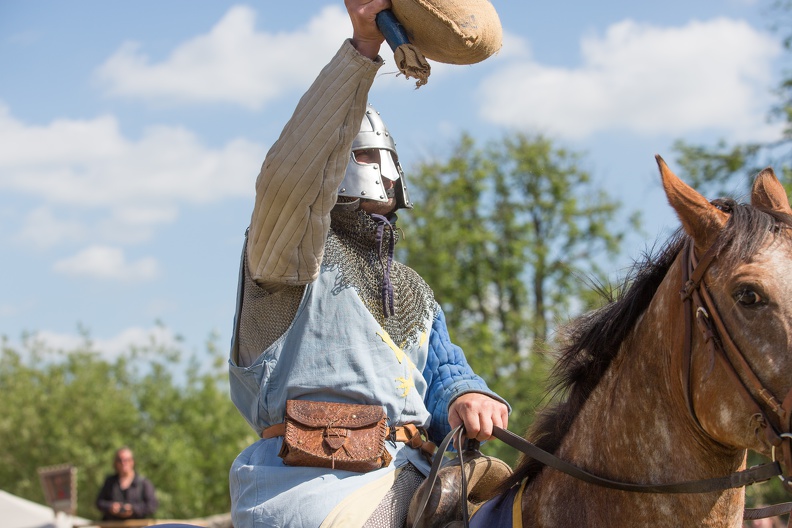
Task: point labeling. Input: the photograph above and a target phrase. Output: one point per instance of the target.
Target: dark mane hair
(594, 338)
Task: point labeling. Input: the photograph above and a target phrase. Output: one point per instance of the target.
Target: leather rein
(700, 307)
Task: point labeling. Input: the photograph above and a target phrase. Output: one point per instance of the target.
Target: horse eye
(748, 297)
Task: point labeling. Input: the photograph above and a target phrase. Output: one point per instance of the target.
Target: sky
(131, 133)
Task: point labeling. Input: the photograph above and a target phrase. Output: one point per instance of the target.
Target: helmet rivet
(379, 133)
(375, 167)
(342, 190)
(363, 193)
(382, 197)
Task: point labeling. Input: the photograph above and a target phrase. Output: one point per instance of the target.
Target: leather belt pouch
(335, 435)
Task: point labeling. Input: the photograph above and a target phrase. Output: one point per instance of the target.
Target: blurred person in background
(125, 494)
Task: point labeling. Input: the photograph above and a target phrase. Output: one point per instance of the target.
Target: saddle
(442, 508)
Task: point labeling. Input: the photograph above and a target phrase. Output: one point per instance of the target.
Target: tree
(712, 169)
(716, 167)
(75, 407)
(503, 234)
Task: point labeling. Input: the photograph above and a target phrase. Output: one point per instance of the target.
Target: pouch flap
(331, 414)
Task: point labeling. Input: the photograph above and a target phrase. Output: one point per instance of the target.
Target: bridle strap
(690, 280)
(737, 360)
(745, 380)
(699, 305)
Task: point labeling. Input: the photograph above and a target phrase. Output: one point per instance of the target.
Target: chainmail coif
(352, 248)
(363, 263)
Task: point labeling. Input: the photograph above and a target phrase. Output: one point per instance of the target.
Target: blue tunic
(335, 350)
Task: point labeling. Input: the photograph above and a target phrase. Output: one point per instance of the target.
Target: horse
(672, 382)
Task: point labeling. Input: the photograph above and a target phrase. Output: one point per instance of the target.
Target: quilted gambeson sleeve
(299, 179)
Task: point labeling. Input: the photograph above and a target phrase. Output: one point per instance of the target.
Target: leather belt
(408, 434)
(274, 430)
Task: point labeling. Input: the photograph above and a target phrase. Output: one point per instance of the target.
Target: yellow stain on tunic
(405, 384)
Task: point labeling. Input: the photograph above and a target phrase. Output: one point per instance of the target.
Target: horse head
(739, 383)
(659, 393)
(675, 379)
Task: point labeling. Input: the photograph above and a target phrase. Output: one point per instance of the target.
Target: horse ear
(768, 193)
(700, 219)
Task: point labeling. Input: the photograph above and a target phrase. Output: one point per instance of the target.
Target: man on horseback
(326, 315)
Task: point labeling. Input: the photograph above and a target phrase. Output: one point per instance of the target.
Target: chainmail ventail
(353, 249)
(362, 261)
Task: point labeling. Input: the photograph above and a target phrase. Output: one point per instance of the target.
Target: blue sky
(132, 132)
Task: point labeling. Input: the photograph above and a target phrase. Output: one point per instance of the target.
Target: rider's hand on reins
(479, 414)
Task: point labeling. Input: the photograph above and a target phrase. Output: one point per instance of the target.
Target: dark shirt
(140, 494)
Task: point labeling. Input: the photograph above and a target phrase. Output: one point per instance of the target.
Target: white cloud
(45, 227)
(231, 63)
(137, 184)
(90, 163)
(107, 263)
(703, 76)
(42, 229)
(114, 346)
(513, 46)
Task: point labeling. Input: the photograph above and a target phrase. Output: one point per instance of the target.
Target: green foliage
(711, 169)
(503, 234)
(716, 168)
(75, 407)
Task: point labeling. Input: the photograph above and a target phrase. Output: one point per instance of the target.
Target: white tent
(16, 512)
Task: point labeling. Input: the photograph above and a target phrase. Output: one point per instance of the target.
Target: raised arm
(299, 179)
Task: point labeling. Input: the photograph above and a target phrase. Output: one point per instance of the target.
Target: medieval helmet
(364, 180)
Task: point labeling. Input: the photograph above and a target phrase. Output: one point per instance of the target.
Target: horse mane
(593, 339)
